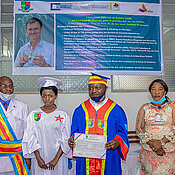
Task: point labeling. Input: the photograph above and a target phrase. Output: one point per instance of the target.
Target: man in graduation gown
(101, 116)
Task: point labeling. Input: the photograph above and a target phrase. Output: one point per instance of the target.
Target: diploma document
(89, 145)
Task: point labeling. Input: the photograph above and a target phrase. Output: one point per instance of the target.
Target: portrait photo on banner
(33, 42)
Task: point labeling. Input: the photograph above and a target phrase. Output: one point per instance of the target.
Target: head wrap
(95, 79)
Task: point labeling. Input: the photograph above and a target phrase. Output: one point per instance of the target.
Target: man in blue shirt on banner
(13, 118)
(37, 52)
(100, 115)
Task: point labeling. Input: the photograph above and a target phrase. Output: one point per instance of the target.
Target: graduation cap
(49, 81)
(96, 78)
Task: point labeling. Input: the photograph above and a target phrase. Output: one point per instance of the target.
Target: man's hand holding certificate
(88, 145)
(92, 146)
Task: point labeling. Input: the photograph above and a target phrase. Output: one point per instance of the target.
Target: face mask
(98, 99)
(5, 97)
(159, 102)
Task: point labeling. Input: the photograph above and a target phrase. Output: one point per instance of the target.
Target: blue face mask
(98, 99)
(159, 102)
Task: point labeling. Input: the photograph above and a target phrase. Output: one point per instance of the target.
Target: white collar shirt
(97, 106)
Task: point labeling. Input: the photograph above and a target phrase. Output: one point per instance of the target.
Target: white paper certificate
(89, 145)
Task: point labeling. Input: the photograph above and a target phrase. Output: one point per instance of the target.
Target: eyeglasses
(4, 86)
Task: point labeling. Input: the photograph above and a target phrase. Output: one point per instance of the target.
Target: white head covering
(49, 81)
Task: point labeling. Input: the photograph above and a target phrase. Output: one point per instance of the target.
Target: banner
(79, 37)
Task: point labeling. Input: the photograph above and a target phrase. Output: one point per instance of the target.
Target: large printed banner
(78, 37)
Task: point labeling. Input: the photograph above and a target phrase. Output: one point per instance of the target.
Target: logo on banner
(101, 123)
(143, 8)
(114, 6)
(91, 123)
(25, 6)
(60, 6)
(37, 117)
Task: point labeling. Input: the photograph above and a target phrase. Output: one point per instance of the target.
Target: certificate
(89, 145)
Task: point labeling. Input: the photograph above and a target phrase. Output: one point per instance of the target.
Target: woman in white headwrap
(46, 137)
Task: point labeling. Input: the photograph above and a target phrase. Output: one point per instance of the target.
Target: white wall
(131, 102)
(169, 48)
